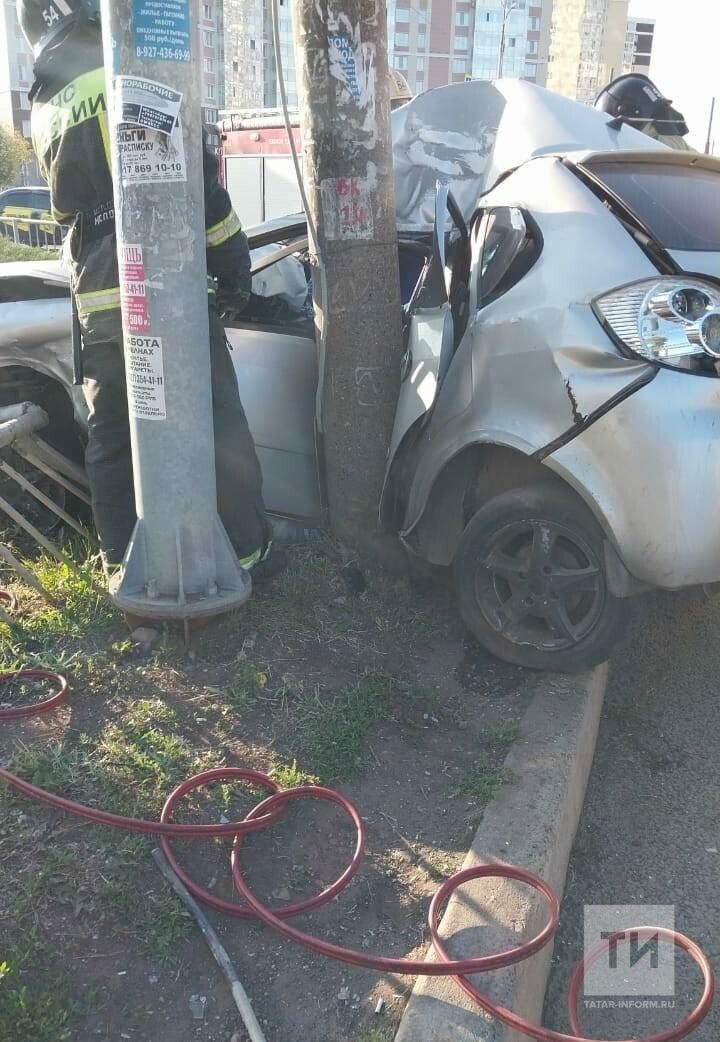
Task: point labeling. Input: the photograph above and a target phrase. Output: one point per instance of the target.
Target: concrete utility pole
(345, 117)
(180, 563)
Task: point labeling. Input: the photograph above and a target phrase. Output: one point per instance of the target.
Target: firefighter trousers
(109, 464)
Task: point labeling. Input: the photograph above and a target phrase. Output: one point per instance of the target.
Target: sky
(685, 64)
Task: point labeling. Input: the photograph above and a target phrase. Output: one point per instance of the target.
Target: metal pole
(501, 49)
(507, 7)
(180, 563)
(345, 118)
(708, 142)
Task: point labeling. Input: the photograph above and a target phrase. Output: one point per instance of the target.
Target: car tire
(531, 581)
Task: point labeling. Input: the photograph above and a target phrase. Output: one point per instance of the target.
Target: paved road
(650, 831)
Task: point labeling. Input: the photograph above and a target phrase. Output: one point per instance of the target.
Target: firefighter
(70, 136)
(634, 99)
(399, 90)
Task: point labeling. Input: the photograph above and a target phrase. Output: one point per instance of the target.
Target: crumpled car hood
(468, 134)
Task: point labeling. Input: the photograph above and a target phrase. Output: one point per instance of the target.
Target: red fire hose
(269, 811)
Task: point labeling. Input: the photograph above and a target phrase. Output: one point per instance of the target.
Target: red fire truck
(257, 165)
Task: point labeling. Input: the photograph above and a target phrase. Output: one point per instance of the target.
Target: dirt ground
(329, 674)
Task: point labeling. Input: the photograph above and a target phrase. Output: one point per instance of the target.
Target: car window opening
(680, 205)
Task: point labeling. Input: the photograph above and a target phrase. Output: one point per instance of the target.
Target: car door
(274, 355)
(436, 317)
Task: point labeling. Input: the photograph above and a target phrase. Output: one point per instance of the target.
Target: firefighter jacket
(71, 139)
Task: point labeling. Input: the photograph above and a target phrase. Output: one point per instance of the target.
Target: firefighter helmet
(45, 22)
(399, 89)
(634, 99)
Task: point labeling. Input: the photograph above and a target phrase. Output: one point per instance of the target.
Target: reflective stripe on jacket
(98, 300)
(70, 134)
(223, 230)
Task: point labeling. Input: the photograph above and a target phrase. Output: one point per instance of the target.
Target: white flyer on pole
(146, 377)
(147, 103)
(149, 156)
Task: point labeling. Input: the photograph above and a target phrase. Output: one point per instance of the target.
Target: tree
(14, 151)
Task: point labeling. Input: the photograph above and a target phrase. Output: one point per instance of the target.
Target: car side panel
(536, 361)
(650, 470)
(277, 376)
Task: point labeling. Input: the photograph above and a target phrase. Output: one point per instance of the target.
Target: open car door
(274, 355)
(436, 317)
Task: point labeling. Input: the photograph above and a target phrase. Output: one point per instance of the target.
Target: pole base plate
(227, 586)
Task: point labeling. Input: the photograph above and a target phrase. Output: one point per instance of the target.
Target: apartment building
(586, 47)
(287, 57)
(16, 66)
(243, 24)
(16, 73)
(511, 39)
(434, 42)
(250, 64)
(639, 37)
(211, 46)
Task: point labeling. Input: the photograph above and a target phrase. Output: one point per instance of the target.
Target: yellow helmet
(399, 89)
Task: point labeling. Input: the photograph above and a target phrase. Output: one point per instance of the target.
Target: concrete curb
(532, 823)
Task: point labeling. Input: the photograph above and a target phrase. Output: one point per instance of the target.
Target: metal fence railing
(32, 231)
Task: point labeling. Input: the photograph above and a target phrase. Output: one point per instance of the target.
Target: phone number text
(173, 54)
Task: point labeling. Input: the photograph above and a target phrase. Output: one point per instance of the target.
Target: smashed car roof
(467, 134)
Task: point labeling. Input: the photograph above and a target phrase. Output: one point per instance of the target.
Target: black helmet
(635, 99)
(45, 22)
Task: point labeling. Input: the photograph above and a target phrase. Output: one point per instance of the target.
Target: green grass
(289, 776)
(12, 251)
(245, 687)
(484, 780)
(81, 609)
(46, 1014)
(487, 776)
(159, 917)
(384, 1034)
(503, 735)
(331, 728)
(129, 768)
(298, 599)
(34, 1011)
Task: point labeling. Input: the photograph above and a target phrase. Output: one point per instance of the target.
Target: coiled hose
(270, 809)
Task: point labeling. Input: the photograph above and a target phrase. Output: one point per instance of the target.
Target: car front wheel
(531, 581)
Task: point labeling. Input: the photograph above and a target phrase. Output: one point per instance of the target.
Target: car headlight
(670, 320)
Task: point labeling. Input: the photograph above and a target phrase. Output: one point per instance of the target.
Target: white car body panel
(650, 470)
(418, 390)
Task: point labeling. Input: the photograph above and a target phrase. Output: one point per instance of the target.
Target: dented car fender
(531, 372)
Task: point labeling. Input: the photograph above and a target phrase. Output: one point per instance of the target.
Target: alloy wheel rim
(541, 584)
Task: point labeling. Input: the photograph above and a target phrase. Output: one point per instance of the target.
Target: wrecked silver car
(556, 435)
